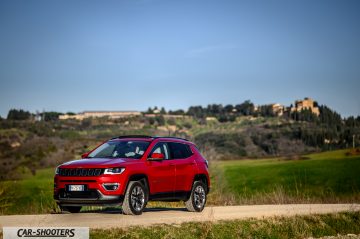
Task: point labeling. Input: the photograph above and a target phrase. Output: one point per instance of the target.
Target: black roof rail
(133, 136)
(170, 137)
(148, 137)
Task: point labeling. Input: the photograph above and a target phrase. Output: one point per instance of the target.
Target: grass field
(33, 194)
(324, 177)
(340, 225)
(278, 227)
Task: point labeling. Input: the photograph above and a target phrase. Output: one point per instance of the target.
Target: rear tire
(135, 199)
(72, 209)
(197, 199)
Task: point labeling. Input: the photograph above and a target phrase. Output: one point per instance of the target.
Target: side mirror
(85, 155)
(156, 157)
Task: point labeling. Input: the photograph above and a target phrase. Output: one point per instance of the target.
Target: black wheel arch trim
(139, 177)
(204, 179)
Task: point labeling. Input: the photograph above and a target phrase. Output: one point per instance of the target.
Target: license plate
(76, 188)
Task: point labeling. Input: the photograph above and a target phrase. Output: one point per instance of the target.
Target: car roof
(151, 138)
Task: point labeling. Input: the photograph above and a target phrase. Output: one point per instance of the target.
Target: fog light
(111, 186)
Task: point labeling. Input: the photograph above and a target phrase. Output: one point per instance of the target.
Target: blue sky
(129, 55)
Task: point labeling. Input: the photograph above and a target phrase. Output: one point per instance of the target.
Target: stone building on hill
(304, 104)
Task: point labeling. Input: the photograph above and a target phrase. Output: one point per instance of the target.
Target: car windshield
(120, 149)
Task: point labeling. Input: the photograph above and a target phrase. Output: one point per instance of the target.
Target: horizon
(69, 56)
(185, 109)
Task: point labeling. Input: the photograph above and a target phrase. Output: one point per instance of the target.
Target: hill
(221, 132)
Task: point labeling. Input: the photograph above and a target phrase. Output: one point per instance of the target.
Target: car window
(161, 148)
(179, 151)
(120, 149)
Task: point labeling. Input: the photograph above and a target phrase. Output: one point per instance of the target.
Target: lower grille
(89, 194)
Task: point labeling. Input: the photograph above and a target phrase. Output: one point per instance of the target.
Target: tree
(329, 117)
(51, 116)
(18, 115)
(266, 111)
(197, 112)
(160, 120)
(229, 108)
(149, 111)
(162, 111)
(245, 108)
(304, 115)
(176, 112)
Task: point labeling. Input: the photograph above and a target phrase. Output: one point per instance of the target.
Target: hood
(97, 162)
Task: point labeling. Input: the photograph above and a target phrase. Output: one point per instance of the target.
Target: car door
(161, 174)
(185, 166)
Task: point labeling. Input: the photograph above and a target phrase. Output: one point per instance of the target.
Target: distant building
(156, 111)
(38, 116)
(211, 118)
(306, 104)
(277, 109)
(168, 116)
(98, 114)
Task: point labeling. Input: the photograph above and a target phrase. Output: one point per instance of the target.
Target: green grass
(33, 194)
(324, 177)
(338, 225)
(278, 227)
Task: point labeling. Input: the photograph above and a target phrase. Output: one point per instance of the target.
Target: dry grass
(340, 225)
(5, 198)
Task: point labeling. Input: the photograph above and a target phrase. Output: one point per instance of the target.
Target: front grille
(78, 181)
(84, 172)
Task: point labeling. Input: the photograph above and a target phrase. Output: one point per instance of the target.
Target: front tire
(197, 199)
(135, 198)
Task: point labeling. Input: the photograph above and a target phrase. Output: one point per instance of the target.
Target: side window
(161, 148)
(179, 151)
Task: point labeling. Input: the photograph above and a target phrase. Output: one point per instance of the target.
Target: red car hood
(96, 163)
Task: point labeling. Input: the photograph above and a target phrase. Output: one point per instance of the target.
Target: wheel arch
(139, 177)
(203, 178)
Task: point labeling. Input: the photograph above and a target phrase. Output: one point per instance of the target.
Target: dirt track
(171, 216)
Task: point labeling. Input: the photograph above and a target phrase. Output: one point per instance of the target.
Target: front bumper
(94, 191)
(90, 197)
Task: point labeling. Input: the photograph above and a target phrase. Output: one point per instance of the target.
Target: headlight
(114, 170)
(57, 170)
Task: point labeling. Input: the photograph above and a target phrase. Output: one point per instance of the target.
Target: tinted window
(160, 148)
(179, 151)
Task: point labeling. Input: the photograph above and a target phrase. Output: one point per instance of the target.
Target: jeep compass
(132, 170)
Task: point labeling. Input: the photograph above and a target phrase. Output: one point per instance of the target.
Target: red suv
(131, 170)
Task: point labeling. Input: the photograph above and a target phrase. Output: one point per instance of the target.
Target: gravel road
(109, 219)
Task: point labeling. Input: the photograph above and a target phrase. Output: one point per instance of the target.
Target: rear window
(179, 151)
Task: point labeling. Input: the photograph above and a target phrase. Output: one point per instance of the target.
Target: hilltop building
(306, 104)
(277, 109)
(97, 114)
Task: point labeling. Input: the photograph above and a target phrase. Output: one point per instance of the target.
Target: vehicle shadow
(119, 211)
